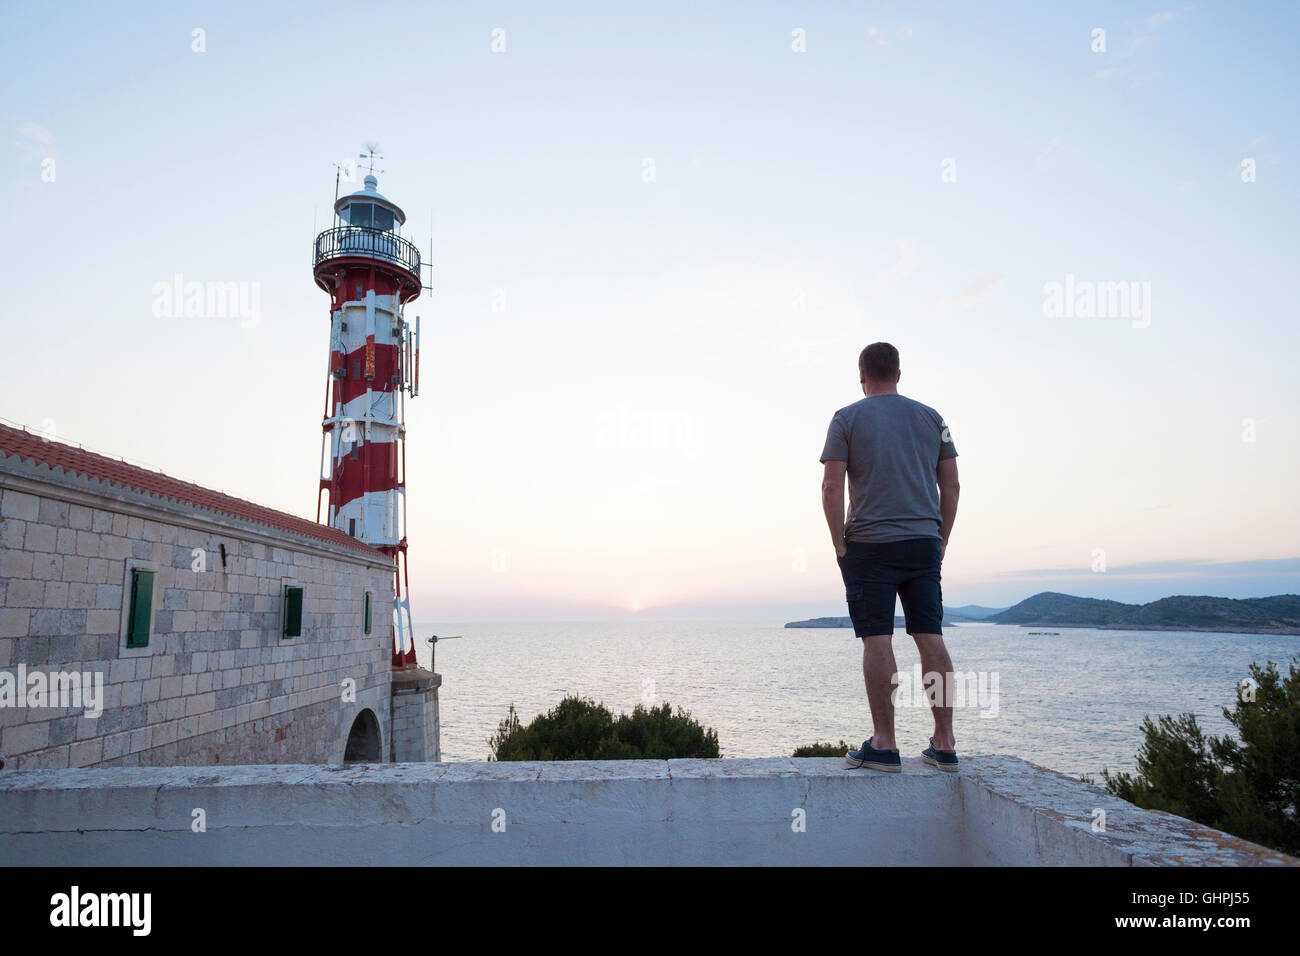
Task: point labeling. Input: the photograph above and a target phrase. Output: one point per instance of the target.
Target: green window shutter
(292, 612)
(367, 612)
(137, 626)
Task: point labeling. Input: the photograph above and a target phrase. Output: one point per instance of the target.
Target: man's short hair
(879, 361)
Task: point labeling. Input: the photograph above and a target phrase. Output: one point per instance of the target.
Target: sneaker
(887, 760)
(945, 760)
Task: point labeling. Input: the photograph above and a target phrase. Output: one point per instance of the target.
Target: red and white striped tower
(370, 272)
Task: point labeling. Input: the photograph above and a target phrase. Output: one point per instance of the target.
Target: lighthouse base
(414, 735)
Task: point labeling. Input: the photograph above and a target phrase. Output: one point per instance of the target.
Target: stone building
(150, 621)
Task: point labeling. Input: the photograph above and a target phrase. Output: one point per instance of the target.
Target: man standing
(902, 471)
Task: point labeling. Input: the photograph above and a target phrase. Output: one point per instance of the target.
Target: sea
(1070, 699)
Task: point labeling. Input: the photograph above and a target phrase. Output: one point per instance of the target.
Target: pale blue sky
(780, 177)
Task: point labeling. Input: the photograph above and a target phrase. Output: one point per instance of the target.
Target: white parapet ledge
(995, 811)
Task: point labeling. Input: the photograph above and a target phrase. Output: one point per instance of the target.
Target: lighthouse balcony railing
(367, 243)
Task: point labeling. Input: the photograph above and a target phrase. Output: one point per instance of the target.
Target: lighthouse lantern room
(370, 273)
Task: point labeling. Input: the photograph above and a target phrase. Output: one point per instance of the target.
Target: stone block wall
(415, 716)
(217, 683)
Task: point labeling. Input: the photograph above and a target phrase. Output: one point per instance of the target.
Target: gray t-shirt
(893, 447)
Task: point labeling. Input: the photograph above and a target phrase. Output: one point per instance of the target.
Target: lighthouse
(370, 273)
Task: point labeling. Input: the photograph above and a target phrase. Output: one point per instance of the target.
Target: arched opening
(364, 745)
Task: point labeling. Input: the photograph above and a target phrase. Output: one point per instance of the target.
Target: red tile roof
(77, 461)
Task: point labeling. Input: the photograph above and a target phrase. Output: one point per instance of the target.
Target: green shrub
(1249, 786)
(580, 729)
(822, 750)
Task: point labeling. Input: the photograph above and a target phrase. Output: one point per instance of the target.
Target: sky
(660, 236)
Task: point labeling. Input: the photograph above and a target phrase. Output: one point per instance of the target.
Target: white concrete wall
(998, 810)
(1019, 814)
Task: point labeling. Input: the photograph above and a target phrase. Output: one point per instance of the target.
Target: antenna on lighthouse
(338, 175)
(370, 155)
(428, 265)
(433, 648)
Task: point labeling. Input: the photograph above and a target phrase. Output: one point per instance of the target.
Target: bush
(822, 750)
(579, 729)
(1249, 787)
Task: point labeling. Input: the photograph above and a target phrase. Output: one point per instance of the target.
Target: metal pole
(433, 649)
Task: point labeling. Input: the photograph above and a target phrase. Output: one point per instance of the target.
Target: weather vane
(370, 155)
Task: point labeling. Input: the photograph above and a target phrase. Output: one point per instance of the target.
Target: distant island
(833, 622)
(844, 622)
(1279, 614)
(951, 615)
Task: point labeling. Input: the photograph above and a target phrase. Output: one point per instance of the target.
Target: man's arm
(833, 502)
(949, 489)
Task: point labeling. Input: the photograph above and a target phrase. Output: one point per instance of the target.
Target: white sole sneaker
(872, 765)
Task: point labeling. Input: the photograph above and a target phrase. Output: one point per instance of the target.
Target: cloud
(908, 264)
(1195, 569)
(1052, 148)
(875, 33)
(810, 352)
(1142, 32)
(1155, 21)
(36, 142)
(981, 287)
(1271, 157)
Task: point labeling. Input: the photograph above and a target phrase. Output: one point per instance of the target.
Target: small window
(352, 527)
(359, 214)
(367, 612)
(383, 219)
(292, 612)
(137, 628)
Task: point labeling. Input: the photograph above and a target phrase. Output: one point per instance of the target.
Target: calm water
(1073, 703)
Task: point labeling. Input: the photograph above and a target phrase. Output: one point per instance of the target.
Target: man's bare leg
(878, 670)
(935, 660)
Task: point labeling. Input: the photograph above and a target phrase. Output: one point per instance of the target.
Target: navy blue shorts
(875, 571)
